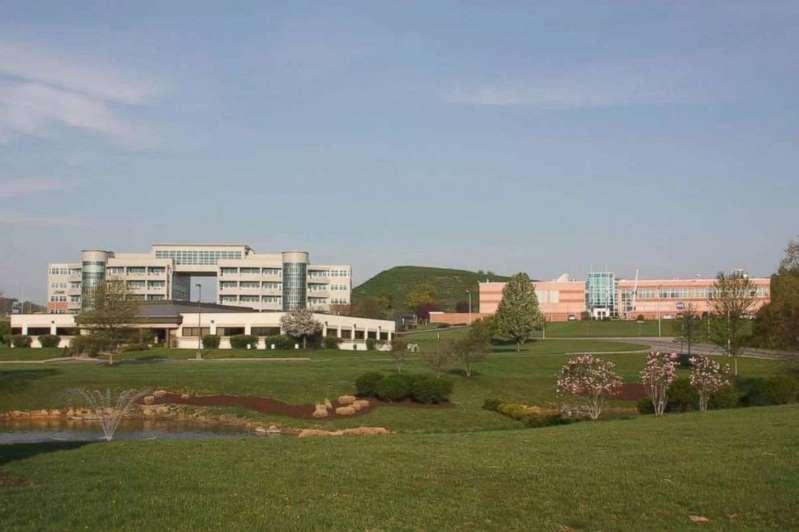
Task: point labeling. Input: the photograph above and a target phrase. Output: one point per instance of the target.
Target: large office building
(264, 282)
(603, 295)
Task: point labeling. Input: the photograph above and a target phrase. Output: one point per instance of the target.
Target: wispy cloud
(41, 89)
(15, 188)
(39, 222)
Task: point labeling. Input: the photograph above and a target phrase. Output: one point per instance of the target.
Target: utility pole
(660, 295)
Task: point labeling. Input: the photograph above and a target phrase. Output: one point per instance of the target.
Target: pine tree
(518, 315)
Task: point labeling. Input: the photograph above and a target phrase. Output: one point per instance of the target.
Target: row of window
(230, 270)
(140, 285)
(186, 256)
(250, 284)
(58, 285)
(250, 299)
(682, 293)
(136, 270)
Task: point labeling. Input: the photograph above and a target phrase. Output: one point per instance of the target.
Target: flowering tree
(300, 323)
(657, 376)
(587, 380)
(708, 377)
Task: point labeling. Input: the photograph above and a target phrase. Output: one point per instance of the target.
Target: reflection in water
(45, 430)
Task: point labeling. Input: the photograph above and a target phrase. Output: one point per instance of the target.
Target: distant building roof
(170, 311)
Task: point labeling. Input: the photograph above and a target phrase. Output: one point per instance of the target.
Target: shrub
(685, 360)
(49, 340)
(532, 416)
(330, 343)
(394, 388)
(442, 325)
(645, 406)
(726, 397)
(280, 342)
(20, 340)
(492, 404)
(367, 384)
(640, 317)
(370, 344)
(243, 341)
(211, 341)
(682, 396)
(429, 389)
(85, 345)
(753, 391)
(135, 347)
(782, 389)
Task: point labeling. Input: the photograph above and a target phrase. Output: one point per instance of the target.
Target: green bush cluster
(746, 391)
(20, 340)
(280, 342)
(49, 340)
(211, 341)
(420, 388)
(529, 415)
(370, 344)
(244, 341)
(85, 345)
(330, 342)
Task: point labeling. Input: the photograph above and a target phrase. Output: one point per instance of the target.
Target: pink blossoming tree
(587, 381)
(657, 376)
(708, 377)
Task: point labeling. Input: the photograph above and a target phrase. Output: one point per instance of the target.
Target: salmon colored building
(602, 295)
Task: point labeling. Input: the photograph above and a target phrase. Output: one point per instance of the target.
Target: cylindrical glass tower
(93, 263)
(295, 278)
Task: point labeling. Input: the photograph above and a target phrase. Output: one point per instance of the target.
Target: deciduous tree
(707, 378)
(731, 302)
(587, 381)
(300, 323)
(474, 345)
(109, 322)
(518, 315)
(657, 376)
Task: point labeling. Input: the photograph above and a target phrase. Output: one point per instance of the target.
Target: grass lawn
(527, 377)
(15, 353)
(737, 468)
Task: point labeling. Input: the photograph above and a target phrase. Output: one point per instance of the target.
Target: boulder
(312, 433)
(159, 393)
(273, 429)
(366, 431)
(360, 404)
(260, 431)
(19, 413)
(184, 396)
(55, 413)
(148, 411)
(347, 399)
(320, 411)
(149, 399)
(345, 411)
(40, 413)
(328, 404)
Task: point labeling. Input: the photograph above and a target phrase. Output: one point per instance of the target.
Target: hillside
(451, 285)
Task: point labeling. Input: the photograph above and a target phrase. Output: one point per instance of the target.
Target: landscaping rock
(347, 399)
(273, 429)
(159, 393)
(320, 411)
(328, 404)
(345, 411)
(311, 433)
(366, 431)
(260, 431)
(149, 399)
(184, 396)
(360, 404)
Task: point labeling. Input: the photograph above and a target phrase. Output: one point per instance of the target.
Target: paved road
(669, 344)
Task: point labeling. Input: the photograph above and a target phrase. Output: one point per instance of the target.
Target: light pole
(660, 295)
(199, 316)
(469, 293)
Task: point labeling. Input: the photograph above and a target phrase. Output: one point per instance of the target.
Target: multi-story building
(603, 295)
(265, 282)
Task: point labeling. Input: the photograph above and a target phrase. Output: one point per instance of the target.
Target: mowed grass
(526, 377)
(737, 468)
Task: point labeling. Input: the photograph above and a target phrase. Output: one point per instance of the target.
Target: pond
(39, 431)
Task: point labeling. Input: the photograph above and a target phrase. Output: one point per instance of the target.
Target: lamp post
(199, 316)
(469, 293)
(660, 295)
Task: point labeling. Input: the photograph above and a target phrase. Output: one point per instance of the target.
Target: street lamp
(469, 293)
(199, 316)
(660, 295)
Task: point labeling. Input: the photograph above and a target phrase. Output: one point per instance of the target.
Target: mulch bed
(267, 405)
(631, 392)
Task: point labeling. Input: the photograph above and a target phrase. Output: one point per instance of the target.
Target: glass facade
(600, 294)
(92, 276)
(294, 285)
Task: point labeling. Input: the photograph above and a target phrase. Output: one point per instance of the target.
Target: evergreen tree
(518, 315)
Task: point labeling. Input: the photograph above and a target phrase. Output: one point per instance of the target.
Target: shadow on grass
(21, 451)
(16, 380)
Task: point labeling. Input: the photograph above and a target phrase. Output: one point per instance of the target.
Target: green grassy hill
(396, 282)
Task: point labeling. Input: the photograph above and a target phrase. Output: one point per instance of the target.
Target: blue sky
(543, 137)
